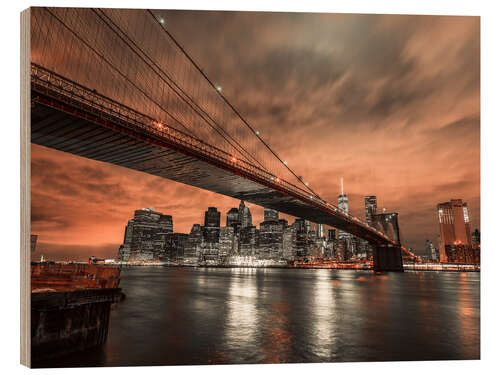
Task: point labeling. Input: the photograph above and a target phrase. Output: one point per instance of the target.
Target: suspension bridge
(116, 86)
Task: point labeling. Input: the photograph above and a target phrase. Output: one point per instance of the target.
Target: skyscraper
(232, 219)
(144, 237)
(245, 215)
(307, 224)
(212, 217)
(476, 237)
(343, 204)
(320, 231)
(430, 251)
(332, 234)
(370, 208)
(455, 234)
(270, 215)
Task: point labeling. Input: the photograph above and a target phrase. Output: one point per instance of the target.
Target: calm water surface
(215, 316)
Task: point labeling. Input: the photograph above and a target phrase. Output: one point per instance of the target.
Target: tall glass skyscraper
(370, 209)
(343, 204)
(454, 228)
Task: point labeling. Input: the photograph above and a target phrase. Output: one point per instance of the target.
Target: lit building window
(440, 214)
(466, 215)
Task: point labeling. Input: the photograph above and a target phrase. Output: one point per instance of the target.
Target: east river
(242, 315)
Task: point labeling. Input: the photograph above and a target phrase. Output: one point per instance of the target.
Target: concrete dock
(70, 307)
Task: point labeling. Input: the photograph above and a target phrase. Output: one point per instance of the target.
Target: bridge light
(233, 159)
(219, 89)
(284, 162)
(162, 20)
(277, 179)
(257, 132)
(307, 183)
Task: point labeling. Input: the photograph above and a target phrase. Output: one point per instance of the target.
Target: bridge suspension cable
(240, 116)
(136, 54)
(173, 85)
(121, 56)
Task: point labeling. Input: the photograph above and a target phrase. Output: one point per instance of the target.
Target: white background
(490, 160)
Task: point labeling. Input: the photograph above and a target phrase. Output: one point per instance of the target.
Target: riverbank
(441, 267)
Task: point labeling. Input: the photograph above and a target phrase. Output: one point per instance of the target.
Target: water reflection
(324, 317)
(202, 316)
(242, 317)
(468, 312)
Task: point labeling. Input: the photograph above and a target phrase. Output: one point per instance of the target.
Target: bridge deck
(63, 118)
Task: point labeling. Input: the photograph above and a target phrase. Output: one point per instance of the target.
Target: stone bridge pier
(387, 258)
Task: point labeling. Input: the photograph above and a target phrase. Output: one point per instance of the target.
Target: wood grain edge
(25, 342)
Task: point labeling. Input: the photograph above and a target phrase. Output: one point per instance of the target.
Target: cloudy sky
(389, 103)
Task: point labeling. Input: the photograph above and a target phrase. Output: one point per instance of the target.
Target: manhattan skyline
(369, 98)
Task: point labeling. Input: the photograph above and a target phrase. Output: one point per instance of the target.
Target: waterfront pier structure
(70, 307)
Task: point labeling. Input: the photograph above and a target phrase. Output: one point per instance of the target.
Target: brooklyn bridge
(117, 87)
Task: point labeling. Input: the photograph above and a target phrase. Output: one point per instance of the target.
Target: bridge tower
(388, 257)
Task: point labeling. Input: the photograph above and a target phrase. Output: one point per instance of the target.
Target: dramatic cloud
(391, 103)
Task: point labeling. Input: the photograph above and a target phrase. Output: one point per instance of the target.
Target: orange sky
(391, 103)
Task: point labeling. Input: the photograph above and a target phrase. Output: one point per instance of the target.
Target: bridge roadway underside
(60, 130)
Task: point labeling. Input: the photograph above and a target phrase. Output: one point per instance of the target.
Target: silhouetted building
(193, 245)
(144, 237)
(320, 233)
(210, 249)
(283, 223)
(289, 239)
(227, 242)
(307, 226)
(476, 246)
(476, 237)
(270, 215)
(370, 208)
(319, 247)
(270, 239)
(174, 247)
(455, 235)
(211, 234)
(300, 225)
(343, 204)
(330, 247)
(249, 241)
(211, 231)
(212, 217)
(301, 243)
(233, 220)
(430, 251)
(341, 253)
(245, 215)
(332, 234)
